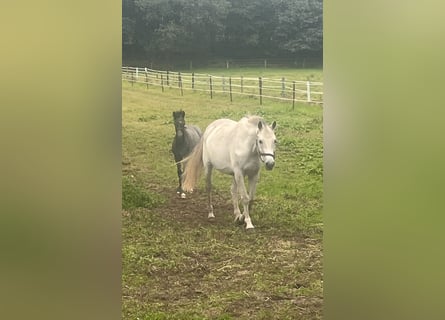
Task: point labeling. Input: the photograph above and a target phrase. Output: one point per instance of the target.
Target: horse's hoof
(239, 219)
(249, 224)
(183, 195)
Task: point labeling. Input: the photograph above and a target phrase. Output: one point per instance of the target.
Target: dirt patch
(186, 264)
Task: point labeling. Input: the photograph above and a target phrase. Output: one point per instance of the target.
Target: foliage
(232, 28)
(134, 196)
(299, 25)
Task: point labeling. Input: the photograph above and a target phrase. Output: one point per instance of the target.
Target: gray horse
(237, 149)
(186, 138)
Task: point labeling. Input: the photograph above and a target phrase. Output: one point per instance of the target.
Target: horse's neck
(249, 137)
(180, 138)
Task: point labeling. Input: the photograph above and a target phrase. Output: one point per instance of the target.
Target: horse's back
(216, 139)
(228, 144)
(219, 132)
(220, 126)
(182, 148)
(193, 132)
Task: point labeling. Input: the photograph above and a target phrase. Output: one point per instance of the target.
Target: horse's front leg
(179, 190)
(245, 199)
(235, 201)
(253, 180)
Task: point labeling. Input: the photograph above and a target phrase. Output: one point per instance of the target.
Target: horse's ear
(274, 125)
(183, 113)
(260, 125)
(174, 114)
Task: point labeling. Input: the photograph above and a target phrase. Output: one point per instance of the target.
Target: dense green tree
(299, 25)
(249, 27)
(167, 29)
(203, 24)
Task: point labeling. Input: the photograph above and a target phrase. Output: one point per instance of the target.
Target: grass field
(179, 265)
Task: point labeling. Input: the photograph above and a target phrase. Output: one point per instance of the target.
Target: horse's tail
(193, 167)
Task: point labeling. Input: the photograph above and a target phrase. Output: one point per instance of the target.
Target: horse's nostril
(270, 165)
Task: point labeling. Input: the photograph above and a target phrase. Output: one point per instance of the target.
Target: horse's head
(179, 121)
(265, 142)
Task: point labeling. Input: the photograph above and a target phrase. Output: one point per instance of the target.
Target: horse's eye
(275, 141)
(260, 141)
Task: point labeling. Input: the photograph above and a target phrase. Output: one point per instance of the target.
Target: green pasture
(179, 265)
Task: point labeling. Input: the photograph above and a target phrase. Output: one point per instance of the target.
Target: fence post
(162, 82)
(308, 90)
(230, 88)
(193, 81)
(132, 78)
(137, 73)
(241, 84)
(283, 87)
(146, 77)
(180, 83)
(260, 84)
(293, 96)
(211, 89)
(168, 78)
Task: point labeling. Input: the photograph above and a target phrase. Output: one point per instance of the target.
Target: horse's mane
(254, 119)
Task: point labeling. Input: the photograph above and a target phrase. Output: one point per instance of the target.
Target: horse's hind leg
(208, 171)
(235, 201)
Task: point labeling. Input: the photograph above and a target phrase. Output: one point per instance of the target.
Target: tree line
(202, 29)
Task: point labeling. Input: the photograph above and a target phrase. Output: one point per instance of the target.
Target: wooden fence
(279, 89)
(226, 63)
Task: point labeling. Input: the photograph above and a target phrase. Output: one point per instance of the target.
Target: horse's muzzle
(270, 165)
(269, 162)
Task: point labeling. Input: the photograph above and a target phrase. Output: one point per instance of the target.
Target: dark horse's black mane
(185, 140)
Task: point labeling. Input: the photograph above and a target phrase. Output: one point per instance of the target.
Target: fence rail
(279, 89)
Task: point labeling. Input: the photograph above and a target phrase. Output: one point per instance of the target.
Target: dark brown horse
(186, 138)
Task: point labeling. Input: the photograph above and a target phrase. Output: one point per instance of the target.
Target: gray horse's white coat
(237, 149)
